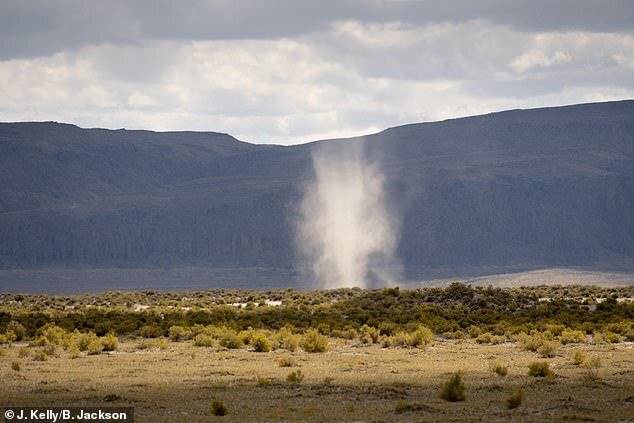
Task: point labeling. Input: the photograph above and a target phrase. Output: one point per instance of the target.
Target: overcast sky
(293, 71)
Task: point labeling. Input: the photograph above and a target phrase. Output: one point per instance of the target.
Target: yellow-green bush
(314, 342)
(18, 329)
(94, 347)
(422, 337)
(203, 340)
(570, 336)
(179, 333)
(295, 377)
(540, 369)
(488, 338)
(285, 339)
(548, 349)
(110, 342)
(228, 338)
(260, 342)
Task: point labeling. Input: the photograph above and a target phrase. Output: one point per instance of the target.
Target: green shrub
(371, 333)
(540, 369)
(387, 328)
(7, 338)
(348, 333)
(607, 337)
(555, 329)
(548, 349)
(295, 377)
(533, 342)
(203, 340)
(260, 343)
(145, 344)
(150, 331)
(515, 399)
(83, 340)
(457, 334)
(401, 339)
(613, 338)
(15, 366)
(179, 333)
(230, 339)
(570, 336)
(218, 408)
(593, 363)
(286, 340)
(18, 329)
(313, 342)
(454, 389)
(474, 331)
(488, 338)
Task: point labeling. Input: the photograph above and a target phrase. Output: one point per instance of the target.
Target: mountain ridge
(532, 188)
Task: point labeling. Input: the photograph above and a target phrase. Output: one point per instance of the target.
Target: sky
(293, 71)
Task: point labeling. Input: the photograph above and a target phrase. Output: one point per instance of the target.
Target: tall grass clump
(499, 369)
(578, 357)
(515, 399)
(540, 369)
(295, 377)
(454, 389)
(218, 408)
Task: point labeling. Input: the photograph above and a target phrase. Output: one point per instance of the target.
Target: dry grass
(349, 382)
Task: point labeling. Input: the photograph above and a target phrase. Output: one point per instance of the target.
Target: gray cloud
(289, 71)
(31, 27)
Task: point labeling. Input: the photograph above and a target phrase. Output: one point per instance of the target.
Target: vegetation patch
(454, 389)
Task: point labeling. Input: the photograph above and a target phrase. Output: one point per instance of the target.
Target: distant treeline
(456, 308)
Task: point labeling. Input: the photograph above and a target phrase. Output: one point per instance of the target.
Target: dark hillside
(529, 188)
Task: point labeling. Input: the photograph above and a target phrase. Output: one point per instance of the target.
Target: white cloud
(534, 58)
(351, 78)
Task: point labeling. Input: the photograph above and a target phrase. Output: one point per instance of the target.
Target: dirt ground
(348, 383)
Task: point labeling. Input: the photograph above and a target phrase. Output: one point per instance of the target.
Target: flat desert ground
(349, 382)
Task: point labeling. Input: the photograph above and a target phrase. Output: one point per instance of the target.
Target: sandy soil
(347, 383)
